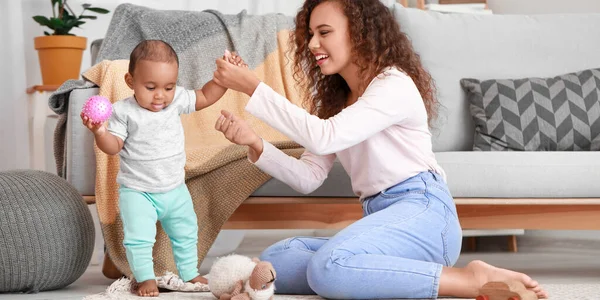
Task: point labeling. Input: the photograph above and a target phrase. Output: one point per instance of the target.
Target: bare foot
(148, 288)
(484, 273)
(466, 282)
(199, 279)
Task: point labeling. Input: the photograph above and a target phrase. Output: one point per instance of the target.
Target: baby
(146, 131)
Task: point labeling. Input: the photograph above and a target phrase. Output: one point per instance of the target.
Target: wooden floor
(545, 263)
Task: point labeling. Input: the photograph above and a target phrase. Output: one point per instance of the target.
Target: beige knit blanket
(218, 174)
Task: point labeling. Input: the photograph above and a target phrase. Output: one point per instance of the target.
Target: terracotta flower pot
(60, 57)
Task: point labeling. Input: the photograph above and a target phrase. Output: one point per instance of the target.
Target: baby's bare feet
(199, 279)
(484, 273)
(148, 288)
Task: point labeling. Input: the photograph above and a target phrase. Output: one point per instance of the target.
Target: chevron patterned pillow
(561, 113)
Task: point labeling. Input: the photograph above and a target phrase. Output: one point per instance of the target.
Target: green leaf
(99, 10)
(46, 33)
(42, 20)
(56, 23)
(63, 23)
(69, 18)
(70, 23)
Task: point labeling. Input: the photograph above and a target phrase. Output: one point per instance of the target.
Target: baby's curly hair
(152, 50)
(377, 43)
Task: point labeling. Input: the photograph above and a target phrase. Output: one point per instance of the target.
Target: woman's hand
(235, 77)
(237, 131)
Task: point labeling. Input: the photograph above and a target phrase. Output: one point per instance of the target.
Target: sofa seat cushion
(337, 184)
(494, 174)
(522, 174)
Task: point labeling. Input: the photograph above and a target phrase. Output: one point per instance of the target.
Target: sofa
(492, 189)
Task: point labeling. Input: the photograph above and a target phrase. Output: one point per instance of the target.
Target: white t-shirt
(153, 154)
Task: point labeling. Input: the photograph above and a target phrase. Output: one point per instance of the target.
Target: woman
(370, 102)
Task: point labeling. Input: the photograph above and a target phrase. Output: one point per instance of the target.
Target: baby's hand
(237, 60)
(96, 128)
(234, 58)
(235, 129)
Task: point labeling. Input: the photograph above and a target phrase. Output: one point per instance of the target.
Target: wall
(13, 113)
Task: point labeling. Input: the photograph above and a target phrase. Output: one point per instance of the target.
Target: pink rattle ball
(97, 108)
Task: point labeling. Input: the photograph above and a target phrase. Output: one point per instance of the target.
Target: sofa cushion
(456, 46)
(501, 174)
(495, 174)
(561, 113)
(337, 184)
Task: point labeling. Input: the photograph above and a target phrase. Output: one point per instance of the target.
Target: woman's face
(329, 38)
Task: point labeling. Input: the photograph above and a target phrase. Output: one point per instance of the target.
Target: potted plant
(60, 52)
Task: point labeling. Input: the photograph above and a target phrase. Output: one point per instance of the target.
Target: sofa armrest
(80, 159)
(94, 50)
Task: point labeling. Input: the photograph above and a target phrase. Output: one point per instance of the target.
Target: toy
(510, 290)
(237, 277)
(97, 108)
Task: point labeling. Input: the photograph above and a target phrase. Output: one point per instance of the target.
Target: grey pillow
(561, 113)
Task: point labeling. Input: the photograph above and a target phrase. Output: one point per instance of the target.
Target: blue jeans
(397, 250)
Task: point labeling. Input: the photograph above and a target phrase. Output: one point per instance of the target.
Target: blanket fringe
(124, 288)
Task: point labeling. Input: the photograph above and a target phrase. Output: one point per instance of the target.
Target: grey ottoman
(46, 232)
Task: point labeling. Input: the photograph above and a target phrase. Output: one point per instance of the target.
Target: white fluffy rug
(120, 290)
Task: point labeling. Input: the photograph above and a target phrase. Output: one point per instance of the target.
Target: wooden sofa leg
(109, 269)
(512, 243)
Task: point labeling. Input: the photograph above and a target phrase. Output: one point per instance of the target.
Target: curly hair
(377, 43)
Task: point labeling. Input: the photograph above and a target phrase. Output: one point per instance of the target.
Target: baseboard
(540, 244)
(548, 244)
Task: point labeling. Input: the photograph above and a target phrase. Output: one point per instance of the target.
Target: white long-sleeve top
(380, 140)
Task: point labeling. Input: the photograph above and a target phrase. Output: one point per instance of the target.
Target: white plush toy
(239, 277)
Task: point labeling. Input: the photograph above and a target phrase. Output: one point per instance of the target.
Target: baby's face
(153, 83)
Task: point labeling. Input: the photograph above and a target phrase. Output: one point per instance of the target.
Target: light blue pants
(174, 209)
(397, 250)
